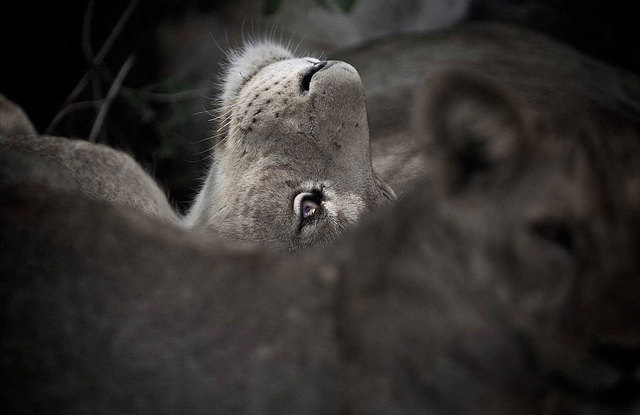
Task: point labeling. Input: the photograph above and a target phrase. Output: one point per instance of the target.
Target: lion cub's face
(292, 165)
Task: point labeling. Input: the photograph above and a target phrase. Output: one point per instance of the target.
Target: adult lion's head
(554, 199)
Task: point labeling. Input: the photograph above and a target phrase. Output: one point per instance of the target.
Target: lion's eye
(308, 208)
(557, 232)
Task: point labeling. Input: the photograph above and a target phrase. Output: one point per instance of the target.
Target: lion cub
(292, 165)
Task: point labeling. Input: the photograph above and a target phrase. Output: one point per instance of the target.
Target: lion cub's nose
(316, 67)
(306, 78)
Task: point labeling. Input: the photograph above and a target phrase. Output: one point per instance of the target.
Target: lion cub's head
(292, 165)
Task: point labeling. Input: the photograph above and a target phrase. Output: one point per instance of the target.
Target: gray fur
(278, 140)
(505, 283)
(94, 170)
(15, 122)
(547, 76)
(447, 302)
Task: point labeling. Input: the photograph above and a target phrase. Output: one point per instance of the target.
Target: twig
(115, 32)
(111, 94)
(75, 106)
(97, 95)
(86, 32)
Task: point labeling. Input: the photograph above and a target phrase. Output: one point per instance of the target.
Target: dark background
(44, 57)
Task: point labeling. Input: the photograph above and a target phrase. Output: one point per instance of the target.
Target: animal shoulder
(96, 171)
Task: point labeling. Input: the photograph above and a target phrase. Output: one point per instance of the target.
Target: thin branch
(97, 95)
(115, 32)
(77, 89)
(75, 106)
(111, 95)
(102, 53)
(86, 32)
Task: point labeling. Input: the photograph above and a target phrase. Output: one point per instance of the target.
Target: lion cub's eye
(307, 206)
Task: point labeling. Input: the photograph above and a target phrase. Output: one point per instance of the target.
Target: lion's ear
(13, 121)
(469, 128)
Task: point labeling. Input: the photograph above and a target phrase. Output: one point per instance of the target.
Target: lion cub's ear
(471, 130)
